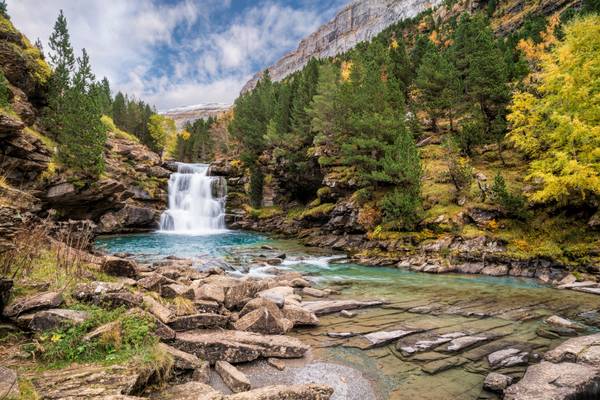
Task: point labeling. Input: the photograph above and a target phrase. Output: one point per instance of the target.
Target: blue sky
(174, 53)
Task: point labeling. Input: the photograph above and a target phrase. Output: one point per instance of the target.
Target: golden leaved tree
(556, 122)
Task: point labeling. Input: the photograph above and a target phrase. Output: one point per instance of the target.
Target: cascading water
(196, 201)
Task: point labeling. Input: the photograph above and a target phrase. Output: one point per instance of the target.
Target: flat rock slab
(546, 380)
(465, 342)
(191, 391)
(198, 321)
(572, 348)
(56, 318)
(332, 306)
(444, 364)
(233, 378)
(181, 359)
(83, 382)
(238, 346)
(9, 387)
(33, 303)
(382, 338)
(288, 392)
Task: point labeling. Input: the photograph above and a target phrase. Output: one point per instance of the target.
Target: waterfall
(196, 201)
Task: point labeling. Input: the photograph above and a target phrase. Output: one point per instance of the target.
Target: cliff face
(359, 21)
(183, 115)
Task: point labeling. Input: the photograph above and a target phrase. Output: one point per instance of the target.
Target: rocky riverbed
(275, 321)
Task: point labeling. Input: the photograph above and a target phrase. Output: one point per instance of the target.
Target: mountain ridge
(359, 21)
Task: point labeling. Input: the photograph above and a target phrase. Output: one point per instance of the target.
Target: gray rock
(287, 392)
(56, 318)
(9, 386)
(233, 378)
(181, 359)
(198, 321)
(119, 267)
(164, 314)
(496, 357)
(276, 363)
(561, 381)
(33, 303)
(323, 307)
(384, 337)
(314, 292)
(202, 373)
(176, 290)
(268, 320)
(191, 391)
(572, 348)
(210, 292)
(277, 294)
(495, 382)
(464, 342)
(238, 346)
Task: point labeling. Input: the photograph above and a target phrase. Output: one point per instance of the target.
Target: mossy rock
(319, 212)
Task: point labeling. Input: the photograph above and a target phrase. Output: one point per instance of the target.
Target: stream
(441, 328)
(508, 312)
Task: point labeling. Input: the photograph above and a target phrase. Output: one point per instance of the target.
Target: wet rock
(384, 337)
(578, 285)
(56, 318)
(233, 378)
(464, 342)
(210, 292)
(176, 290)
(198, 321)
(202, 373)
(288, 392)
(274, 261)
(314, 292)
(276, 363)
(562, 381)
(92, 381)
(33, 303)
(299, 316)
(9, 386)
(324, 307)
(161, 312)
(347, 314)
(181, 359)
(572, 348)
(496, 382)
(424, 345)
(119, 267)
(238, 346)
(559, 322)
(268, 320)
(438, 366)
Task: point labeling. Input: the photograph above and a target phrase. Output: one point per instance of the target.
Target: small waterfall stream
(196, 201)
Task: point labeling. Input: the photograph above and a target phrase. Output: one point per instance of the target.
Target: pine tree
(119, 109)
(62, 60)
(3, 9)
(105, 97)
(438, 87)
(83, 135)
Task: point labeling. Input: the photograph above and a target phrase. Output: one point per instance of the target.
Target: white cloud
(204, 62)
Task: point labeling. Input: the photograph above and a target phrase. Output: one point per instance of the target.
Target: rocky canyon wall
(361, 20)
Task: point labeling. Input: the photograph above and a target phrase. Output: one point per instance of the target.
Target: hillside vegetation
(461, 121)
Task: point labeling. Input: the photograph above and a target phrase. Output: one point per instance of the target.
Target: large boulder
(181, 359)
(268, 320)
(299, 316)
(33, 303)
(199, 321)
(238, 346)
(56, 318)
(233, 378)
(191, 391)
(120, 267)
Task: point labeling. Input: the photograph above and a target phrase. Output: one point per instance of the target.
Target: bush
(513, 205)
(401, 209)
(256, 187)
(470, 135)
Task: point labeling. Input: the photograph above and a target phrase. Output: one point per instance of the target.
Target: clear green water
(153, 246)
(510, 308)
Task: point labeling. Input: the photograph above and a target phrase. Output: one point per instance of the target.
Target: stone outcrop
(238, 346)
(570, 371)
(33, 303)
(360, 21)
(233, 378)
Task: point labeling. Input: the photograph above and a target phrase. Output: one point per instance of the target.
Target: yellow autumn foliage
(557, 121)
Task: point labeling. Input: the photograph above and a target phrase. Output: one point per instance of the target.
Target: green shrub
(401, 209)
(514, 205)
(131, 337)
(4, 91)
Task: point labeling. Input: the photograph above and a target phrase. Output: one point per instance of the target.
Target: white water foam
(196, 202)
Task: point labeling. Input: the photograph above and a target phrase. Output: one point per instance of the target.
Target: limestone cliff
(183, 115)
(361, 20)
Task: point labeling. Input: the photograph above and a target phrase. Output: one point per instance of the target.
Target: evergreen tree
(3, 9)
(62, 60)
(438, 87)
(105, 97)
(422, 46)
(119, 109)
(83, 135)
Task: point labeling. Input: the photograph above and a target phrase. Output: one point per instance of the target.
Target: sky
(173, 53)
